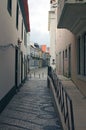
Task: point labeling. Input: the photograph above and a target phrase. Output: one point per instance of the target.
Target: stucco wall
(9, 35)
(64, 39)
(52, 36)
(80, 81)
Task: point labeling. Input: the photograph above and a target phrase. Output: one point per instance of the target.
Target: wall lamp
(19, 42)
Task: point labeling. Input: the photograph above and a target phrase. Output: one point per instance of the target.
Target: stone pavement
(32, 107)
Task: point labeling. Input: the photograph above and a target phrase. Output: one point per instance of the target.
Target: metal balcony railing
(63, 98)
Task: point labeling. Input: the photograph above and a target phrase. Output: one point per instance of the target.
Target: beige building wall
(65, 41)
(79, 80)
(9, 36)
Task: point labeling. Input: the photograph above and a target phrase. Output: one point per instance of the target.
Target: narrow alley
(32, 107)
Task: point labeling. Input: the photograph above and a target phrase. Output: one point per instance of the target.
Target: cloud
(40, 38)
(39, 20)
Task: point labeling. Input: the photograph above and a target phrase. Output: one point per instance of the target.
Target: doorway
(69, 74)
(21, 67)
(63, 62)
(16, 67)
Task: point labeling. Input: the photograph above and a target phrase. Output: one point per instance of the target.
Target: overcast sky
(38, 10)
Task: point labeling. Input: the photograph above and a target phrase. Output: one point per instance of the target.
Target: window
(85, 54)
(59, 61)
(22, 30)
(66, 53)
(81, 55)
(78, 55)
(17, 16)
(9, 6)
(25, 38)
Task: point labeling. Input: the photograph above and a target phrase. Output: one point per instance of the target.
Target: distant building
(43, 47)
(36, 45)
(35, 56)
(48, 50)
(46, 55)
(39, 56)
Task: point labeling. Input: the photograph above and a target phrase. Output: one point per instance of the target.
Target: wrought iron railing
(63, 98)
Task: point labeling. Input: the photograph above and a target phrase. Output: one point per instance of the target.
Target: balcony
(72, 15)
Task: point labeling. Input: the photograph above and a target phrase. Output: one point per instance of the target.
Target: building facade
(14, 26)
(35, 56)
(45, 55)
(71, 41)
(64, 47)
(39, 56)
(52, 30)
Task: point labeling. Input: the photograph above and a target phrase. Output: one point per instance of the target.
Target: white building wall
(64, 39)
(52, 22)
(9, 36)
(7, 69)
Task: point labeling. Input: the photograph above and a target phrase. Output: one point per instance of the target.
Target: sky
(38, 11)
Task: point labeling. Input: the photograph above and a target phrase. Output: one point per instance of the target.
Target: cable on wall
(5, 47)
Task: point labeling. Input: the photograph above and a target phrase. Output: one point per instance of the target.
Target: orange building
(44, 48)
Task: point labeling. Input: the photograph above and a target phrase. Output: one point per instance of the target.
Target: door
(16, 67)
(70, 61)
(21, 67)
(63, 62)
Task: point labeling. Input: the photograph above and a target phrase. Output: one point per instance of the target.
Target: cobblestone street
(31, 108)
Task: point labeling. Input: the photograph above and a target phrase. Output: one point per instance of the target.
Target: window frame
(25, 38)
(81, 55)
(84, 54)
(78, 56)
(9, 7)
(66, 53)
(22, 30)
(17, 15)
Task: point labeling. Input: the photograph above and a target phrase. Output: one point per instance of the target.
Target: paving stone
(31, 108)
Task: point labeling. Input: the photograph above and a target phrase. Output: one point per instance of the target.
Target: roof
(25, 13)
